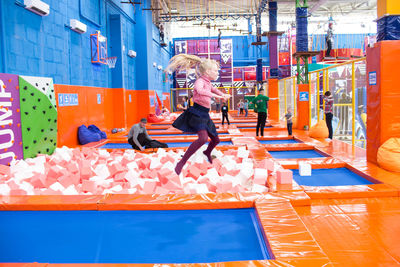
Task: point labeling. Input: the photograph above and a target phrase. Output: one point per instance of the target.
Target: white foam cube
(169, 165)
(260, 176)
(304, 169)
(132, 165)
(57, 187)
(4, 189)
(217, 153)
(155, 163)
(102, 171)
(70, 190)
(259, 188)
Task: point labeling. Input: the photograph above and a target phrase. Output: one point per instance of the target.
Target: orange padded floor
(305, 225)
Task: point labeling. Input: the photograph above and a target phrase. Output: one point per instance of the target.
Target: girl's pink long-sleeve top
(202, 92)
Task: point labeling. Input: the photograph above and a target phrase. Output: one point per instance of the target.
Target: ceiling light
(174, 10)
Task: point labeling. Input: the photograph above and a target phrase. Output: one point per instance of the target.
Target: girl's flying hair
(185, 62)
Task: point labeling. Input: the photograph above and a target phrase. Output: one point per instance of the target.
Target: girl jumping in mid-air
(196, 119)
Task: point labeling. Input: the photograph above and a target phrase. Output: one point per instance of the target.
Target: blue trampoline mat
(178, 144)
(295, 154)
(273, 142)
(330, 177)
(173, 236)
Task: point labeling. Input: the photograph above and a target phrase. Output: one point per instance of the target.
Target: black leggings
(262, 117)
(225, 115)
(328, 51)
(289, 128)
(142, 139)
(328, 119)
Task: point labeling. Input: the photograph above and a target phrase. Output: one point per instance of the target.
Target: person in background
(197, 118)
(218, 106)
(246, 107)
(289, 122)
(329, 39)
(224, 111)
(261, 106)
(328, 98)
(190, 101)
(137, 136)
(184, 106)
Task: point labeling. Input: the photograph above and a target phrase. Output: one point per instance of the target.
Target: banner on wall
(10, 119)
(152, 102)
(180, 47)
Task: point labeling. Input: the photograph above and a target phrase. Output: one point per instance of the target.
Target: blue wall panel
(45, 46)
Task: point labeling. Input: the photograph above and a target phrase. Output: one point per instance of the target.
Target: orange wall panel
(383, 109)
(70, 117)
(273, 105)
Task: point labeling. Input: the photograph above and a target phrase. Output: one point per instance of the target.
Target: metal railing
(347, 83)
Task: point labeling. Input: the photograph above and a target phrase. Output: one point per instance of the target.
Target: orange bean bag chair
(389, 155)
(152, 118)
(319, 130)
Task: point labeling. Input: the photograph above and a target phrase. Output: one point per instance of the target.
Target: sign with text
(67, 100)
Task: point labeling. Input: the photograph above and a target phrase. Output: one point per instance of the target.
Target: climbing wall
(38, 115)
(10, 119)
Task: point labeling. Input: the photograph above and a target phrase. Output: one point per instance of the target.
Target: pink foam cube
(222, 171)
(54, 172)
(260, 176)
(284, 176)
(65, 180)
(194, 172)
(149, 187)
(88, 186)
(85, 169)
(144, 163)
(36, 182)
(120, 176)
(265, 164)
(161, 190)
(4, 170)
(224, 186)
(212, 188)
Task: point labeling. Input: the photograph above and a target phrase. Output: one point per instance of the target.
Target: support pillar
(303, 104)
(273, 81)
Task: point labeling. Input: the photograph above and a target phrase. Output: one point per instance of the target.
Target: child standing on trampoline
(196, 119)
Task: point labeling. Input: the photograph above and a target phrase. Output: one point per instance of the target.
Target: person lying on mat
(138, 137)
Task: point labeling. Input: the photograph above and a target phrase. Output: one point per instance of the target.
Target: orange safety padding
(383, 107)
(353, 191)
(303, 108)
(319, 130)
(389, 155)
(293, 236)
(356, 232)
(51, 202)
(273, 105)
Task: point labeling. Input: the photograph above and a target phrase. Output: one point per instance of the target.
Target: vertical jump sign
(10, 119)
